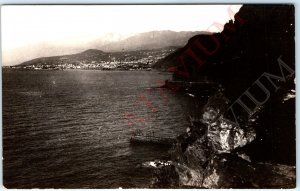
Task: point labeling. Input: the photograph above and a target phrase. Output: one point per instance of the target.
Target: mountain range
(109, 43)
(150, 40)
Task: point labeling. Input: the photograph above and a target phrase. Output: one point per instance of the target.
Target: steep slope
(245, 135)
(244, 49)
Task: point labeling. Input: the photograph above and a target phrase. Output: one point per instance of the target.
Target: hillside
(250, 45)
(97, 59)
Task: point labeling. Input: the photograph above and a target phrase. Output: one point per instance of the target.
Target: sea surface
(71, 129)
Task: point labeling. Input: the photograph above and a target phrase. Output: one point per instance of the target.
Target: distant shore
(70, 69)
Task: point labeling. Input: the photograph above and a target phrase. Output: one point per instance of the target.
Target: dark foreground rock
(227, 171)
(214, 152)
(256, 148)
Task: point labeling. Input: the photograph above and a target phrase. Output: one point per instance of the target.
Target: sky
(31, 31)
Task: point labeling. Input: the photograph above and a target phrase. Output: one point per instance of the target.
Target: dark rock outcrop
(248, 47)
(255, 148)
(214, 153)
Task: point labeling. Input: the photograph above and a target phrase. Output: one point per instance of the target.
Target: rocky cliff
(244, 137)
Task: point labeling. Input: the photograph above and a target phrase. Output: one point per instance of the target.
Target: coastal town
(93, 59)
(142, 64)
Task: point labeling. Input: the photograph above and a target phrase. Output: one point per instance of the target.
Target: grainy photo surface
(148, 96)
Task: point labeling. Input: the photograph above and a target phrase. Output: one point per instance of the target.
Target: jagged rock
(225, 136)
(233, 172)
(259, 152)
(227, 171)
(210, 155)
(165, 177)
(191, 177)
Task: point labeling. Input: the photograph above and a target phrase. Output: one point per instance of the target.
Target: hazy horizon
(40, 31)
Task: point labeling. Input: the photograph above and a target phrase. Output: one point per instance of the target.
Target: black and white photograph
(119, 96)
